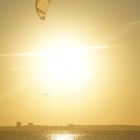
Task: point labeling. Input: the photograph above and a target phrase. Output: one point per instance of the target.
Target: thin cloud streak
(116, 25)
(44, 53)
(18, 68)
(25, 54)
(125, 24)
(14, 68)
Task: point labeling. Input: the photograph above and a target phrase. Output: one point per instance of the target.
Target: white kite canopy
(42, 7)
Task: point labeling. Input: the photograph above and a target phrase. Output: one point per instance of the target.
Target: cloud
(116, 25)
(14, 55)
(24, 54)
(35, 54)
(126, 24)
(17, 68)
(39, 54)
(135, 22)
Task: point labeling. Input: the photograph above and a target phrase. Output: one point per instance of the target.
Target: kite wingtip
(42, 11)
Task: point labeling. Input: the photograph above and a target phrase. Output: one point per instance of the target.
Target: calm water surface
(70, 136)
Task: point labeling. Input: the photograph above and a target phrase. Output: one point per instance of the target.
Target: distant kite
(42, 8)
(45, 94)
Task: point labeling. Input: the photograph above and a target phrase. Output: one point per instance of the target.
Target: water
(97, 135)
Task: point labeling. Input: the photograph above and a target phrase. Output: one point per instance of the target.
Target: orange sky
(85, 56)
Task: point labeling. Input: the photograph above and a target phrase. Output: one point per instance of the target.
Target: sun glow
(62, 65)
(64, 62)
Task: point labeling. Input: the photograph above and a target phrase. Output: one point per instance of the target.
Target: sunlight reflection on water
(62, 137)
(53, 135)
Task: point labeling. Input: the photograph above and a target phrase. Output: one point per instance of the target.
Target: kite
(42, 8)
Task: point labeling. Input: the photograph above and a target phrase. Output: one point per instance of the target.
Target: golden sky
(85, 56)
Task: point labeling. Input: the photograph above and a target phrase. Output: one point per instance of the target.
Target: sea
(65, 135)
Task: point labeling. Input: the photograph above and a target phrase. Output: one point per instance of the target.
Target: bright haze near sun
(64, 62)
(84, 57)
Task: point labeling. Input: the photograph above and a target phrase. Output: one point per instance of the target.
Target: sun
(64, 62)
(67, 64)
(62, 65)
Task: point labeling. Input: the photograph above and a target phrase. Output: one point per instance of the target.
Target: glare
(64, 62)
(62, 65)
(63, 137)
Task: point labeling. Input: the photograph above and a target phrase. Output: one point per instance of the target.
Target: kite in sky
(42, 7)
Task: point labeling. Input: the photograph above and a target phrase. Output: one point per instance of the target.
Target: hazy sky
(111, 96)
